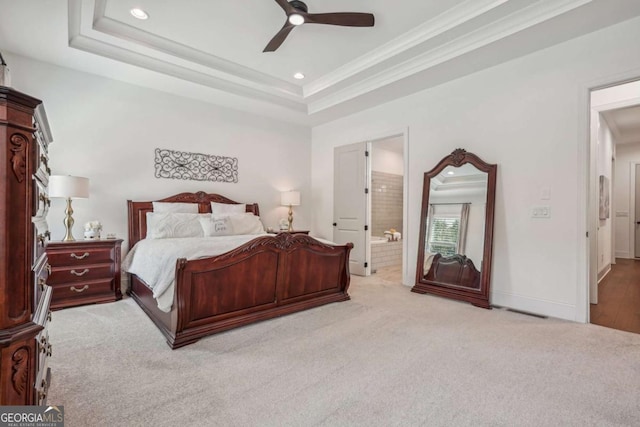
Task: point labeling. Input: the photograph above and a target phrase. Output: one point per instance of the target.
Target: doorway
(387, 208)
(614, 279)
(370, 188)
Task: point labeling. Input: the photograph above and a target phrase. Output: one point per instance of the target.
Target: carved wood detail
(458, 155)
(138, 210)
(25, 298)
(19, 155)
(20, 369)
(283, 241)
(456, 269)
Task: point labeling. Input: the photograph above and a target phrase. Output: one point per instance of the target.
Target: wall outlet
(541, 212)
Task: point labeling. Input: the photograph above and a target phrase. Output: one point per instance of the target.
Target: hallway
(619, 297)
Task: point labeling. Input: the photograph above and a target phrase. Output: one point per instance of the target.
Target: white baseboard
(625, 255)
(534, 305)
(603, 273)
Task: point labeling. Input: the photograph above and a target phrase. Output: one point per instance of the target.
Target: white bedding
(154, 260)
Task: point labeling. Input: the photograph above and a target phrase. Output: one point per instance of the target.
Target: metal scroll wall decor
(195, 166)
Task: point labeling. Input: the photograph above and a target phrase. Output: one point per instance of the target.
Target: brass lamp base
(290, 218)
(68, 222)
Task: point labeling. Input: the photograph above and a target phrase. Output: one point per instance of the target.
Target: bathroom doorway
(387, 201)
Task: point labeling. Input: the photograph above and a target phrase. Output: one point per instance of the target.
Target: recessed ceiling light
(296, 19)
(298, 76)
(451, 173)
(139, 13)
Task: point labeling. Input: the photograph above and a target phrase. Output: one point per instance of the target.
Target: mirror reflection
(456, 229)
(456, 217)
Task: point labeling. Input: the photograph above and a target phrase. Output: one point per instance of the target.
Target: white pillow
(219, 209)
(169, 225)
(213, 226)
(246, 223)
(162, 207)
(227, 225)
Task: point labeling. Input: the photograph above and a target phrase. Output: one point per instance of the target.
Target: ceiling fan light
(139, 13)
(296, 19)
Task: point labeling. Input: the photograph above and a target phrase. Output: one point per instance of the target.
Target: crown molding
(81, 38)
(140, 37)
(509, 25)
(90, 30)
(446, 21)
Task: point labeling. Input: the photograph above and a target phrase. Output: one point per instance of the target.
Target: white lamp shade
(290, 198)
(66, 186)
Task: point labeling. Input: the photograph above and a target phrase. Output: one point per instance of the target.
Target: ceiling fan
(297, 15)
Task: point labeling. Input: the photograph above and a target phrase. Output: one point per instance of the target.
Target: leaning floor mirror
(456, 230)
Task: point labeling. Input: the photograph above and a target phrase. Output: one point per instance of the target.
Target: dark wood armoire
(24, 294)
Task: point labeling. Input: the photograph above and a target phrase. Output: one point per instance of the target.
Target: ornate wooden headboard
(138, 210)
(456, 269)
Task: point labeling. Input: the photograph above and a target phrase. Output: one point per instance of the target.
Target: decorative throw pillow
(212, 226)
(246, 223)
(162, 207)
(173, 225)
(219, 209)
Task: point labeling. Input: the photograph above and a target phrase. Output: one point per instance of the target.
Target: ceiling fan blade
(284, 4)
(278, 39)
(347, 19)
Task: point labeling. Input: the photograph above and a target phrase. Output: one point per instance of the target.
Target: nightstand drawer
(80, 290)
(81, 273)
(81, 256)
(84, 272)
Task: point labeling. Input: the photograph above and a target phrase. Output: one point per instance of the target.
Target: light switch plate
(541, 212)
(545, 193)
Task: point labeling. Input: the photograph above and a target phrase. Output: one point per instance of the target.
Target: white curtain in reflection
(462, 232)
(432, 211)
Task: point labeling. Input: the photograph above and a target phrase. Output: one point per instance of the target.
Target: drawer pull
(45, 200)
(42, 345)
(83, 256)
(81, 273)
(84, 288)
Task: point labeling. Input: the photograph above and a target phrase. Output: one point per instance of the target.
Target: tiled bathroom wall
(386, 202)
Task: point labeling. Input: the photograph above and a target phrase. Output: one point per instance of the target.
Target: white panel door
(350, 203)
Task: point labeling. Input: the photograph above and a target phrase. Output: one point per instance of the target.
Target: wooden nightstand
(84, 272)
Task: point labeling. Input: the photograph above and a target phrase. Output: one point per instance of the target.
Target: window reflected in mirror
(458, 198)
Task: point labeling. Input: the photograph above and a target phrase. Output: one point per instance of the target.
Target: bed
(268, 276)
(455, 269)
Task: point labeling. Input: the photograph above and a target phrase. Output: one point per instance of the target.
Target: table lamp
(68, 187)
(290, 198)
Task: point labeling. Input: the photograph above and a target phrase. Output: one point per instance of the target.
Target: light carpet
(388, 357)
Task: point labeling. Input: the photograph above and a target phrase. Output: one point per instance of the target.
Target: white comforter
(154, 260)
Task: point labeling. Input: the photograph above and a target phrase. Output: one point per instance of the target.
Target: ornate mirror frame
(478, 296)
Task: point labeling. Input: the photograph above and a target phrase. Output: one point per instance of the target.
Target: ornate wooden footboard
(267, 277)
